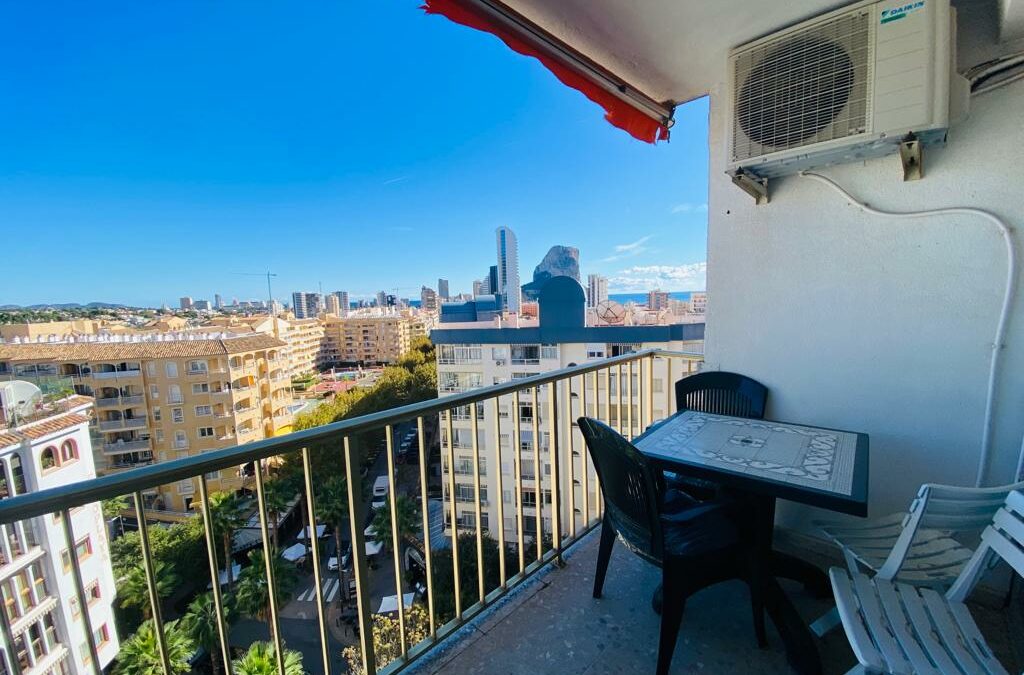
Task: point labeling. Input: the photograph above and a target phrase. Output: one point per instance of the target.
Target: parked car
(380, 492)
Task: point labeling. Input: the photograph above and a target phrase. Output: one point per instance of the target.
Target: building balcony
(122, 447)
(120, 401)
(119, 425)
(116, 374)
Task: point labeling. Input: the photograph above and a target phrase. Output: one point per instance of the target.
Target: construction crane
(268, 274)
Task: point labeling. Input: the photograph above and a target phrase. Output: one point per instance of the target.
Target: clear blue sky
(149, 150)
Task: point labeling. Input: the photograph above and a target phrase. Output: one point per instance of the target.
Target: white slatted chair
(927, 546)
(894, 627)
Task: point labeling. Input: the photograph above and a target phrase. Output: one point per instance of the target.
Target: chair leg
(757, 606)
(673, 603)
(604, 554)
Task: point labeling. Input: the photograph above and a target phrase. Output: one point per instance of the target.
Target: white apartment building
(52, 448)
(472, 354)
(597, 290)
(508, 269)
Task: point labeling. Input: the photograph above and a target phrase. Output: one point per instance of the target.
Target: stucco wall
(877, 325)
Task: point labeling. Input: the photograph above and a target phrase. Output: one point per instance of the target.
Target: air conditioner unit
(848, 85)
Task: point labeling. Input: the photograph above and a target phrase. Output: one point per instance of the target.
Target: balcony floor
(552, 624)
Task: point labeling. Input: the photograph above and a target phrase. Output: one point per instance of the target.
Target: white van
(380, 492)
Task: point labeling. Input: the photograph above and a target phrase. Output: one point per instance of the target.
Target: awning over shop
(625, 106)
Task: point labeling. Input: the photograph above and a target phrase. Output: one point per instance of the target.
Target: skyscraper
(305, 305)
(333, 305)
(218, 302)
(186, 302)
(428, 299)
(508, 268)
(597, 290)
(442, 289)
(342, 302)
(492, 279)
(657, 299)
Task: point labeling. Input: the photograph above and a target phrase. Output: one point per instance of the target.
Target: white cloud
(689, 207)
(691, 277)
(629, 250)
(392, 181)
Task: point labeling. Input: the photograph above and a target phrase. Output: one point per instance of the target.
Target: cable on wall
(1011, 274)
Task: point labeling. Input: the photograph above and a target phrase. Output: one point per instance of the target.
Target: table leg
(814, 579)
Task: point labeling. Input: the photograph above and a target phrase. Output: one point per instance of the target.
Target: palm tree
(200, 624)
(332, 508)
(253, 596)
(226, 515)
(407, 516)
(133, 588)
(276, 495)
(140, 654)
(261, 659)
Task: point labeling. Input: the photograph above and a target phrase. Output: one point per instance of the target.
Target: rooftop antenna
(270, 294)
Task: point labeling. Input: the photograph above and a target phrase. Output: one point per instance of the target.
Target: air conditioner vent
(807, 86)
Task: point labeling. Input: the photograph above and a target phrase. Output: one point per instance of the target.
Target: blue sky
(150, 150)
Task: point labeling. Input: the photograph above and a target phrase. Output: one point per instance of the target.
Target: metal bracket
(754, 186)
(911, 158)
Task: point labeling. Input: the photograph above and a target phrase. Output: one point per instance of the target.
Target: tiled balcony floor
(553, 625)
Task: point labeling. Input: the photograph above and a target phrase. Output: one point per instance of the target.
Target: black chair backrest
(630, 484)
(721, 393)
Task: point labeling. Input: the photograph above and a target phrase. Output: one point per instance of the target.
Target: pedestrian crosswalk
(330, 588)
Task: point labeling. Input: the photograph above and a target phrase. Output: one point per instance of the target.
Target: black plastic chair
(695, 544)
(718, 393)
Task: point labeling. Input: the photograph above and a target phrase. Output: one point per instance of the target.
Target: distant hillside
(67, 305)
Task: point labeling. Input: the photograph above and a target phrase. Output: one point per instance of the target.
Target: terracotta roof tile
(84, 351)
(35, 430)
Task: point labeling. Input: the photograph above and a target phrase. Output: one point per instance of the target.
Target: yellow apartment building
(371, 338)
(46, 330)
(161, 397)
(303, 338)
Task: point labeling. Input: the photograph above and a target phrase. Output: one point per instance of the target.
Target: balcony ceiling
(669, 49)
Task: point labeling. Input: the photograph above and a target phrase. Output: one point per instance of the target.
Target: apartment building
(657, 300)
(428, 299)
(51, 448)
(373, 336)
(305, 305)
(507, 269)
(472, 354)
(597, 290)
(51, 329)
(303, 338)
(165, 396)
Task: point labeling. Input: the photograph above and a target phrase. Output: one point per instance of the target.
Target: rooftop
(137, 346)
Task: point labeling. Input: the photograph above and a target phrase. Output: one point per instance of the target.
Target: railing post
(314, 551)
(211, 554)
(650, 391)
(517, 455)
(355, 511)
(9, 647)
(83, 605)
(268, 564)
(571, 482)
(620, 393)
(475, 430)
(454, 513)
(629, 402)
(502, 574)
(425, 506)
(537, 477)
(556, 529)
(151, 583)
(396, 540)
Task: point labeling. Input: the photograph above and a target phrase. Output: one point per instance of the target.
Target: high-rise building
(597, 290)
(202, 305)
(698, 302)
(305, 305)
(333, 305)
(442, 289)
(657, 300)
(382, 299)
(492, 280)
(343, 303)
(163, 396)
(185, 302)
(48, 449)
(428, 299)
(478, 287)
(508, 269)
(472, 351)
(218, 302)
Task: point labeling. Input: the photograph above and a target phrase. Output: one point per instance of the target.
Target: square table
(764, 460)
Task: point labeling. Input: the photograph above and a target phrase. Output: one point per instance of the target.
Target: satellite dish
(19, 398)
(610, 313)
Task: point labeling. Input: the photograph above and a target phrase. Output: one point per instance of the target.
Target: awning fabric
(618, 112)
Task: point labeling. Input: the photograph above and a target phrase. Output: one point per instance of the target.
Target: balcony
(122, 447)
(118, 425)
(119, 401)
(116, 374)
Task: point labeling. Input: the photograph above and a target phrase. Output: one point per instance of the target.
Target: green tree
(133, 589)
(226, 517)
(200, 624)
(180, 541)
(407, 515)
(253, 596)
(332, 509)
(261, 659)
(443, 586)
(387, 638)
(140, 654)
(277, 493)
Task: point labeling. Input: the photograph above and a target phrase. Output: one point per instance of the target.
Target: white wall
(876, 325)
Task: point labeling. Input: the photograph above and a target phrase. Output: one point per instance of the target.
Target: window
(156, 414)
(48, 459)
(174, 394)
(213, 475)
(171, 368)
(201, 388)
(459, 354)
(180, 439)
(83, 549)
(454, 382)
(151, 368)
(203, 411)
(154, 391)
(595, 351)
(197, 367)
(101, 635)
(549, 351)
(159, 435)
(205, 432)
(499, 353)
(525, 355)
(177, 415)
(620, 349)
(68, 451)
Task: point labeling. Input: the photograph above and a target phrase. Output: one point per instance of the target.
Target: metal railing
(565, 487)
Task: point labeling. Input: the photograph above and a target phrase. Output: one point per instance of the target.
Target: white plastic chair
(927, 546)
(895, 627)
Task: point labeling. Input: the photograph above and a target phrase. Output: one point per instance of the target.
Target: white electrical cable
(1011, 276)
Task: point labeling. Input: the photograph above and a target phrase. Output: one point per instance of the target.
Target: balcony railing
(117, 425)
(528, 539)
(118, 401)
(113, 374)
(125, 446)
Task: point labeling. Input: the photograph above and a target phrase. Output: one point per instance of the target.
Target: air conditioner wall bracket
(755, 186)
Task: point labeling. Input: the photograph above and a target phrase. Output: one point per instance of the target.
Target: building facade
(442, 289)
(36, 579)
(343, 304)
(305, 305)
(372, 336)
(657, 300)
(597, 290)
(185, 302)
(478, 354)
(428, 299)
(163, 397)
(508, 269)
